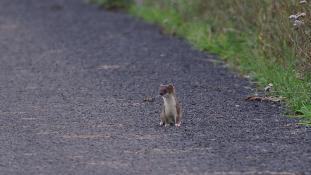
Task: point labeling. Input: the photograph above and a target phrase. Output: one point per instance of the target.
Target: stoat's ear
(163, 89)
(171, 88)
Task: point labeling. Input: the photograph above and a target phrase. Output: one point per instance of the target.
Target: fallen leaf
(149, 99)
(260, 98)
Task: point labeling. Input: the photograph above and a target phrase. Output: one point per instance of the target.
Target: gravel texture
(73, 79)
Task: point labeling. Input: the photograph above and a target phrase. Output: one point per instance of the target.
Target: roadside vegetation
(267, 40)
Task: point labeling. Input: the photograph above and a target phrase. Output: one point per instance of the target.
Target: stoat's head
(166, 90)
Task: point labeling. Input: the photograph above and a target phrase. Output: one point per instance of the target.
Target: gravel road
(73, 79)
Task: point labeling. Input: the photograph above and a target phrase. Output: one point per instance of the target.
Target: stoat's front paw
(177, 124)
(161, 123)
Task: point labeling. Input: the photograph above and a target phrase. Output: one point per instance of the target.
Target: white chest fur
(170, 106)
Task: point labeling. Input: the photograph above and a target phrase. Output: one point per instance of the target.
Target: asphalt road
(73, 80)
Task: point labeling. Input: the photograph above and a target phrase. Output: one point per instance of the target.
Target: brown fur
(173, 116)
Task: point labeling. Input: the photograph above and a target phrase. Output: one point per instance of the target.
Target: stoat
(171, 112)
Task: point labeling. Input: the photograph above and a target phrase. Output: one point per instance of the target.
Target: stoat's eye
(163, 91)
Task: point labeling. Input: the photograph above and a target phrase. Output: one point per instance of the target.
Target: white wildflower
(297, 16)
(301, 15)
(293, 17)
(298, 23)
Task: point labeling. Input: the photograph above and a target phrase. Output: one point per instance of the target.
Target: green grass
(241, 51)
(306, 113)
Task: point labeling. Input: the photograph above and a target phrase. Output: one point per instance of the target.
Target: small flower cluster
(296, 19)
(297, 22)
(303, 2)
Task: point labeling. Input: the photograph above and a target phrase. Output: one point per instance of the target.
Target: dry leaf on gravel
(259, 98)
(149, 99)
